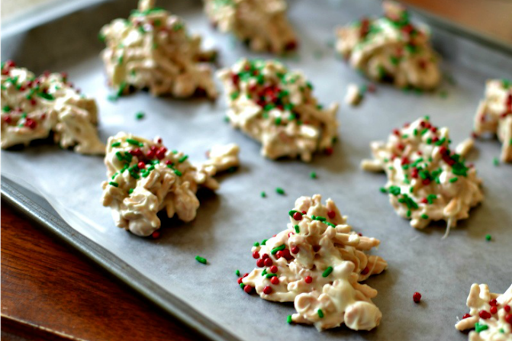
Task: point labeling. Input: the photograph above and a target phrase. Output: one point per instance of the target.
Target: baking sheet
(231, 220)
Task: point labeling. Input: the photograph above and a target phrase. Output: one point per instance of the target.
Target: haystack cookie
(146, 178)
(276, 107)
(33, 108)
(260, 23)
(494, 115)
(317, 263)
(426, 180)
(391, 49)
(490, 315)
(152, 50)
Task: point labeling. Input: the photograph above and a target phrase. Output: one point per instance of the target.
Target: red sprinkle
(265, 256)
(466, 316)
(295, 250)
(155, 235)
(273, 269)
(416, 297)
(239, 280)
(248, 289)
(267, 290)
(424, 201)
(426, 182)
(7, 119)
(494, 309)
(268, 262)
(279, 254)
(396, 132)
(484, 314)
(30, 123)
(308, 279)
(366, 270)
(508, 318)
(274, 280)
(246, 274)
(160, 154)
(493, 302)
(260, 263)
(141, 165)
(329, 150)
(297, 216)
(303, 212)
(255, 254)
(507, 308)
(286, 254)
(331, 214)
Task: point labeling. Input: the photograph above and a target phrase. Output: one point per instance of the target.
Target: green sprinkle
(408, 213)
(320, 313)
(327, 272)
(264, 242)
(270, 275)
(174, 151)
(297, 228)
(292, 212)
(395, 190)
(201, 259)
(313, 175)
(46, 96)
(502, 330)
(280, 191)
(263, 194)
(277, 121)
(112, 183)
(115, 144)
(226, 119)
(431, 198)
(480, 327)
(496, 162)
(237, 272)
(177, 27)
(424, 216)
(177, 172)
(488, 237)
(234, 95)
(6, 108)
(256, 244)
(289, 319)
(134, 142)
(183, 158)
(452, 180)
(279, 248)
(140, 115)
(130, 191)
(242, 285)
(264, 272)
(383, 190)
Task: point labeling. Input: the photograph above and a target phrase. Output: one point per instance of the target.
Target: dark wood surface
(51, 292)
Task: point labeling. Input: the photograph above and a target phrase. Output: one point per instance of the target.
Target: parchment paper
(231, 220)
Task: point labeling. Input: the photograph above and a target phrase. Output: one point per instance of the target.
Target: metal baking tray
(61, 190)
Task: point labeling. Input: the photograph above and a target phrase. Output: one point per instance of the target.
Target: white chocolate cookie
(494, 115)
(153, 50)
(490, 315)
(426, 180)
(260, 23)
(146, 178)
(277, 108)
(317, 263)
(32, 108)
(391, 49)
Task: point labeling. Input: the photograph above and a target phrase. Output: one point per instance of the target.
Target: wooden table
(51, 292)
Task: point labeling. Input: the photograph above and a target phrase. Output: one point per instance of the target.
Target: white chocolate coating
(319, 240)
(391, 48)
(494, 115)
(167, 181)
(153, 50)
(354, 96)
(277, 108)
(488, 326)
(32, 108)
(262, 23)
(426, 181)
